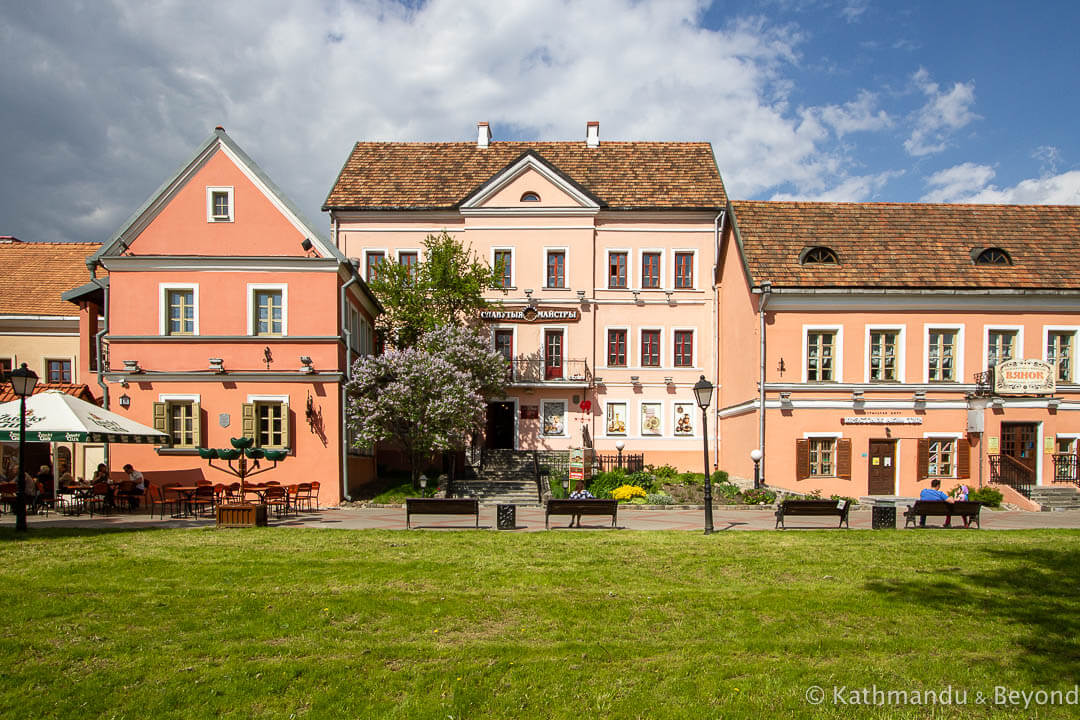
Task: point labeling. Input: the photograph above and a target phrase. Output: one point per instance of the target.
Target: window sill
(177, 451)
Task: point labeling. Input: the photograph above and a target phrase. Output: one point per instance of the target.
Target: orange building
(228, 315)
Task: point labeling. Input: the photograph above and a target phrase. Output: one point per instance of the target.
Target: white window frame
(661, 276)
(1018, 353)
(513, 264)
(955, 438)
(608, 252)
(163, 306)
(693, 355)
(372, 251)
(693, 418)
(641, 419)
(693, 276)
(838, 352)
(835, 437)
(901, 352)
(251, 290)
(167, 398)
(565, 250)
(958, 353)
(629, 341)
(629, 423)
(210, 217)
(661, 350)
(566, 417)
(1075, 330)
(45, 366)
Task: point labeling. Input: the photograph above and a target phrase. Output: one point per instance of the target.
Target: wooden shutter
(843, 458)
(963, 458)
(923, 465)
(802, 459)
(247, 420)
(159, 417)
(196, 424)
(285, 417)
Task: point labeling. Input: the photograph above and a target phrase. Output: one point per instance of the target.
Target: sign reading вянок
(1025, 377)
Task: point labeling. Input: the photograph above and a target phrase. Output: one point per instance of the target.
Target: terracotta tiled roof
(80, 391)
(911, 245)
(35, 274)
(621, 175)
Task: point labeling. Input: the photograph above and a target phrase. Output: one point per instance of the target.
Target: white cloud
(857, 188)
(943, 113)
(853, 10)
(104, 100)
(970, 183)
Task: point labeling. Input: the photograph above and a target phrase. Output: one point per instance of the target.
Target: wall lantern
(125, 401)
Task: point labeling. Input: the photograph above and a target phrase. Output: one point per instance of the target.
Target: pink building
(608, 307)
(228, 315)
(873, 327)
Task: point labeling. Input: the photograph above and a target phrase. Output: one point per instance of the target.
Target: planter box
(241, 515)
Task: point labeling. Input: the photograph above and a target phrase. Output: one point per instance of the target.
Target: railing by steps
(1065, 468)
(1007, 470)
(543, 487)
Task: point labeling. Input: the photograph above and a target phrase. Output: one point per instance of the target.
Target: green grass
(317, 623)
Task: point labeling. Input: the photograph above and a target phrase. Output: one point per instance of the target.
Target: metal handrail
(1066, 468)
(535, 370)
(1007, 470)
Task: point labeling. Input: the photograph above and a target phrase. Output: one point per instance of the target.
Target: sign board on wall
(531, 314)
(881, 420)
(1025, 377)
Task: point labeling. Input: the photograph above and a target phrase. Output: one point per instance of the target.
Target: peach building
(608, 305)
(228, 315)
(887, 337)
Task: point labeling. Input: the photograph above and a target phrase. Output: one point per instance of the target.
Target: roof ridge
(900, 204)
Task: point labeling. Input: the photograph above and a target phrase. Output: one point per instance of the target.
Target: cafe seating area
(175, 500)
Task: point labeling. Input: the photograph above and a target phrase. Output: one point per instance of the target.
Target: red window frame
(410, 260)
(553, 354)
(650, 270)
(650, 348)
(371, 271)
(684, 348)
(684, 270)
(556, 269)
(616, 353)
(617, 270)
(506, 279)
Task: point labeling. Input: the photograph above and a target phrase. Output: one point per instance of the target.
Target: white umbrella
(54, 416)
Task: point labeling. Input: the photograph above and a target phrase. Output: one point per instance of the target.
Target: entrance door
(1018, 442)
(553, 354)
(882, 467)
(500, 426)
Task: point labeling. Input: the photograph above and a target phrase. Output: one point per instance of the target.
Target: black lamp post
(23, 381)
(703, 393)
(755, 455)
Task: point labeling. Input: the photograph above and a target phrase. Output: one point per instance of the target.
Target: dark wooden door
(1018, 442)
(882, 464)
(500, 426)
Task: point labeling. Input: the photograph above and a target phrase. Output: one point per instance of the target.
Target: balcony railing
(1007, 470)
(1065, 468)
(534, 370)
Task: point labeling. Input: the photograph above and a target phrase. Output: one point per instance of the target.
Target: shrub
(639, 501)
(692, 478)
(664, 473)
(557, 490)
(659, 498)
(627, 492)
(603, 483)
(719, 477)
(728, 490)
(838, 498)
(756, 497)
(642, 479)
(988, 496)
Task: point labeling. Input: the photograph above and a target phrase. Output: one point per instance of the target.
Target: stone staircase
(1056, 497)
(506, 478)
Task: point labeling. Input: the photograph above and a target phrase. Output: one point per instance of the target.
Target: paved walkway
(532, 519)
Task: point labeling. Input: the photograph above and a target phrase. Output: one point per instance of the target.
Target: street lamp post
(755, 455)
(703, 390)
(23, 381)
(619, 445)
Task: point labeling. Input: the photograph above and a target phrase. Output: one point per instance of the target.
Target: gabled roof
(218, 140)
(35, 275)
(892, 245)
(529, 160)
(80, 391)
(620, 175)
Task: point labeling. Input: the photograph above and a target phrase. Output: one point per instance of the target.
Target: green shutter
(284, 425)
(196, 425)
(159, 417)
(247, 422)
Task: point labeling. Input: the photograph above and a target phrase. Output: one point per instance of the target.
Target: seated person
(580, 493)
(934, 494)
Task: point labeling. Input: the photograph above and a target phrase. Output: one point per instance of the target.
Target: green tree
(445, 289)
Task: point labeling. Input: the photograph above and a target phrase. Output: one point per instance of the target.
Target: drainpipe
(718, 223)
(766, 292)
(347, 335)
(98, 340)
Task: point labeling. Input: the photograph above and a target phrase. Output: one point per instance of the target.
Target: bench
(941, 508)
(581, 507)
(819, 508)
(441, 506)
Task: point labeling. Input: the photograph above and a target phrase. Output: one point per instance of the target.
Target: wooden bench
(819, 508)
(581, 507)
(441, 506)
(941, 508)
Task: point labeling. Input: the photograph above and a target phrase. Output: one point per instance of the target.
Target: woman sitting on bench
(580, 493)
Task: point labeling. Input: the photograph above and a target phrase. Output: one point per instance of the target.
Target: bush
(692, 478)
(557, 490)
(659, 498)
(728, 490)
(664, 473)
(603, 483)
(988, 496)
(719, 477)
(757, 497)
(639, 501)
(627, 492)
(642, 479)
(838, 498)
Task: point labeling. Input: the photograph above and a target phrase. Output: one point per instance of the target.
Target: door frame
(517, 415)
(895, 442)
(561, 330)
(1038, 444)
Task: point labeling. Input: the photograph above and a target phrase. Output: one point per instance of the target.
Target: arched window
(993, 256)
(819, 255)
(530, 197)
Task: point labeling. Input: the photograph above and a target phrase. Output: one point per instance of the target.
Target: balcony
(534, 371)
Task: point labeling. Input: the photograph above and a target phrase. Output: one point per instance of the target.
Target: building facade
(607, 308)
(879, 329)
(229, 316)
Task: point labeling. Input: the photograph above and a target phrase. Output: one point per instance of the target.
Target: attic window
(993, 256)
(219, 204)
(530, 197)
(819, 255)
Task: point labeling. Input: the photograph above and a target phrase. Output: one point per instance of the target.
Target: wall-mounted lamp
(132, 366)
(123, 382)
(268, 357)
(217, 365)
(857, 396)
(670, 297)
(306, 244)
(1053, 403)
(920, 396)
(581, 297)
(307, 368)
(637, 295)
(125, 401)
(634, 379)
(669, 380)
(997, 403)
(785, 401)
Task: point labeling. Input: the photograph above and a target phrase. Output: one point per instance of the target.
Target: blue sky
(848, 100)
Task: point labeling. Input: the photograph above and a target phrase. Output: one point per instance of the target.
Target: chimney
(483, 134)
(592, 134)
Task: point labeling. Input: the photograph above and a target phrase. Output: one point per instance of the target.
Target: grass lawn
(318, 623)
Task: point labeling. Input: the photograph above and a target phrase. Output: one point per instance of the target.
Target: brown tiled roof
(623, 175)
(80, 391)
(33, 275)
(882, 245)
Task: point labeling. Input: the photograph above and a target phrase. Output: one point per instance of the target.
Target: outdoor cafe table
(187, 495)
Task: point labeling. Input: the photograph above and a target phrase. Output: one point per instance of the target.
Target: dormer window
(530, 197)
(219, 204)
(819, 255)
(993, 256)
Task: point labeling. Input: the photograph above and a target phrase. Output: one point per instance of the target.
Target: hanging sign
(531, 314)
(577, 464)
(1025, 377)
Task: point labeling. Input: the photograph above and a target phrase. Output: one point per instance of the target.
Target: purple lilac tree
(425, 398)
